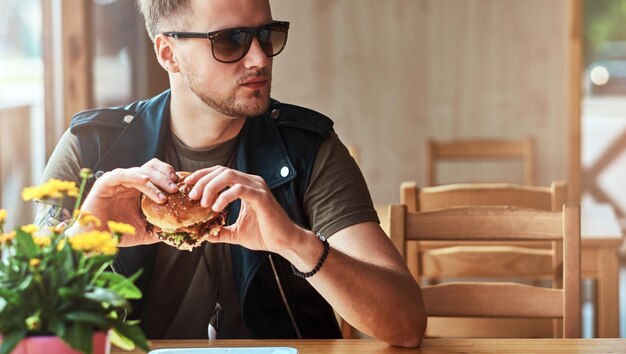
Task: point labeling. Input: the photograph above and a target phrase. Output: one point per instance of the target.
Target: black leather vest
(279, 146)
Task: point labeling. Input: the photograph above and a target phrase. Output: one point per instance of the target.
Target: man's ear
(164, 50)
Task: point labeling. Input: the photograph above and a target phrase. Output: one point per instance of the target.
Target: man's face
(240, 89)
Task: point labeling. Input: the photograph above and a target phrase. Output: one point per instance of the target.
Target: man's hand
(115, 196)
(262, 224)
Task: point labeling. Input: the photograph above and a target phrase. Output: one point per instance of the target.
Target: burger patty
(190, 235)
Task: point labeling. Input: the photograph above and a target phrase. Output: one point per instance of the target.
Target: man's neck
(199, 126)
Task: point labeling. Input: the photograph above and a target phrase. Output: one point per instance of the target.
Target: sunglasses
(232, 44)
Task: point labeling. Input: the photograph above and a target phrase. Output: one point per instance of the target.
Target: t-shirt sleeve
(337, 196)
(64, 164)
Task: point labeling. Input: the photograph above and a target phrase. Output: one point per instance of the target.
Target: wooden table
(601, 237)
(364, 346)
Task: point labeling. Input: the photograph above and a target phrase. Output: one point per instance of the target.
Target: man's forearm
(371, 289)
(381, 302)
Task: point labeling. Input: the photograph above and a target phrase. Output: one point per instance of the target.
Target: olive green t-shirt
(184, 285)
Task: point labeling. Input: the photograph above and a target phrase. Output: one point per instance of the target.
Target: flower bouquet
(58, 285)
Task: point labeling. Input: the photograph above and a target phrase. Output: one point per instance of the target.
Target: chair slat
(502, 262)
(497, 223)
(492, 300)
(484, 223)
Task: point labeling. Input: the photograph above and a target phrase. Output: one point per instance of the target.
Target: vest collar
(143, 138)
(259, 151)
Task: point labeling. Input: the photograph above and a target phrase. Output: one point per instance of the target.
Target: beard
(227, 104)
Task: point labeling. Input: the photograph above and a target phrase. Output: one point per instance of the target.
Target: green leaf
(10, 341)
(105, 295)
(87, 317)
(69, 292)
(132, 332)
(25, 244)
(121, 341)
(79, 337)
(121, 285)
(24, 284)
(57, 326)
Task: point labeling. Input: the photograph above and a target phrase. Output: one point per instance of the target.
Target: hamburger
(181, 222)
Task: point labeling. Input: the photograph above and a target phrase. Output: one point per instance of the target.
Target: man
(280, 172)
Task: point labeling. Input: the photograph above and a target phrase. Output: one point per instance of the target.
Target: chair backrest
(481, 149)
(526, 262)
(535, 197)
(537, 260)
(503, 224)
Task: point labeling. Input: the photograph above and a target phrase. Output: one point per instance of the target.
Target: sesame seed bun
(181, 221)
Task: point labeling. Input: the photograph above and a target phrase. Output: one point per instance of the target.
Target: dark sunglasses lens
(273, 39)
(230, 45)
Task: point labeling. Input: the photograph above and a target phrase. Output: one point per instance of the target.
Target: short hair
(160, 13)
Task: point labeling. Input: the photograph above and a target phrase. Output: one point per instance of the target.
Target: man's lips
(256, 83)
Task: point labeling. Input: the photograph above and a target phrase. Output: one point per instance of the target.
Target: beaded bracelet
(319, 263)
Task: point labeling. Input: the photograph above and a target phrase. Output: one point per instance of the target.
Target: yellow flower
(85, 173)
(30, 228)
(3, 216)
(53, 189)
(42, 241)
(33, 323)
(61, 244)
(86, 219)
(57, 229)
(94, 242)
(7, 237)
(34, 262)
(120, 228)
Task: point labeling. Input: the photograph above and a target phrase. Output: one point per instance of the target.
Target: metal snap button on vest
(128, 118)
(99, 174)
(275, 113)
(284, 172)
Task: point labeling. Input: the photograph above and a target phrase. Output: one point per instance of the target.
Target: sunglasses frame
(254, 31)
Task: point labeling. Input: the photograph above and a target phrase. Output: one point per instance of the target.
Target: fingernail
(193, 194)
(173, 185)
(161, 197)
(174, 176)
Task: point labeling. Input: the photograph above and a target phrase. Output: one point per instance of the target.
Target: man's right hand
(116, 197)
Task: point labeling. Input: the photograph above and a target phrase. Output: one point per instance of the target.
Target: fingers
(201, 188)
(108, 185)
(216, 187)
(249, 193)
(161, 175)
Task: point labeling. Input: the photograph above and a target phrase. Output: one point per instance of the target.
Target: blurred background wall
(393, 73)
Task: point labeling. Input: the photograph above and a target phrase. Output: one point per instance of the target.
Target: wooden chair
(481, 149)
(497, 299)
(525, 261)
(534, 260)
(431, 198)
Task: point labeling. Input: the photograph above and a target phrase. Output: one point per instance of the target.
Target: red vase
(55, 345)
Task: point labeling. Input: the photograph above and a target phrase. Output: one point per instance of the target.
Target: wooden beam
(575, 67)
(15, 167)
(77, 57)
(67, 64)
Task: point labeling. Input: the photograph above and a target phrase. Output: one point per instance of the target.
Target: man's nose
(256, 57)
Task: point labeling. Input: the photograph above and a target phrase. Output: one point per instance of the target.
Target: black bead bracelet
(319, 263)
